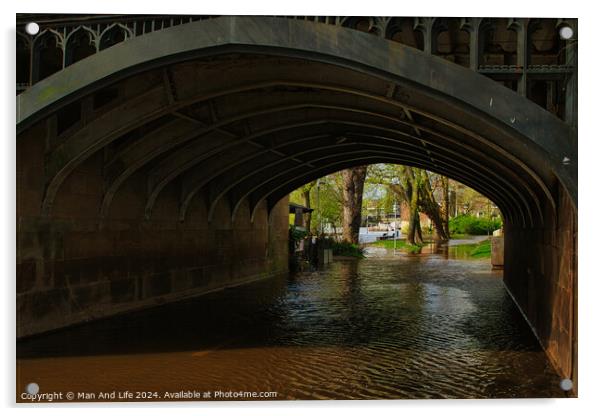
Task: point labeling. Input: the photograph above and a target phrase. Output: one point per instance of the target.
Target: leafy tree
(330, 198)
(414, 187)
(325, 195)
(340, 199)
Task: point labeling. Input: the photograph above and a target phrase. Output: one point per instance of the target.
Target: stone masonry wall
(72, 267)
(540, 272)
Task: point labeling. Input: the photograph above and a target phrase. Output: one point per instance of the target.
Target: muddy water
(386, 327)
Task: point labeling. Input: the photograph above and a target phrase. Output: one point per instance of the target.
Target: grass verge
(482, 250)
(398, 244)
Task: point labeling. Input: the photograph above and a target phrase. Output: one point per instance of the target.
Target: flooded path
(386, 327)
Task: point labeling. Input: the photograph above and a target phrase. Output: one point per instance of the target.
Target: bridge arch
(244, 109)
(516, 120)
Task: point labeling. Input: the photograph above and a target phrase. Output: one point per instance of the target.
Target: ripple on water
(384, 327)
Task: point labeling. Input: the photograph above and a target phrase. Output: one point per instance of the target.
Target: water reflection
(404, 326)
(452, 249)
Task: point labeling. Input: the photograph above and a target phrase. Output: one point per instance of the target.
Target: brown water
(386, 327)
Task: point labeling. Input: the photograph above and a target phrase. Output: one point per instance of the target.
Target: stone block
(26, 276)
(90, 297)
(47, 304)
(156, 285)
(180, 281)
(123, 290)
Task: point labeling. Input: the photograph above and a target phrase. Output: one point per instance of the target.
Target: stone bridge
(155, 155)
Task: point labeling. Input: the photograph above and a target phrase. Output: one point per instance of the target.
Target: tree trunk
(413, 209)
(430, 207)
(306, 197)
(445, 213)
(353, 190)
(418, 239)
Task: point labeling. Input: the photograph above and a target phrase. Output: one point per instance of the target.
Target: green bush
(294, 237)
(468, 224)
(345, 248)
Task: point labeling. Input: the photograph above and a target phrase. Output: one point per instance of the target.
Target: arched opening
(442, 211)
(47, 56)
(453, 42)
(401, 30)
(498, 57)
(112, 36)
(361, 23)
(23, 63)
(80, 44)
(194, 203)
(545, 45)
(547, 50)
(499, 43)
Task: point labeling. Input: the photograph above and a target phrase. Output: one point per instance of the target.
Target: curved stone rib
(236, 176)
(302, 40)
(267, 185)
(178, 166)
(227, 184)
(276, 194)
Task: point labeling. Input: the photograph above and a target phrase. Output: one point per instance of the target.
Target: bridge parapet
(526, 55)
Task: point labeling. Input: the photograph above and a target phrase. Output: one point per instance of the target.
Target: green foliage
(413, 248)
(294, 236)
(385, 185)
(331, 206)
(345, 248)
(482, 250)
(390, 244)
(325, 199)
(295, 261)
(459, 236)
(468, 224)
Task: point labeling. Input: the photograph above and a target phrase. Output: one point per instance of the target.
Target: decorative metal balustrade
(498, 48)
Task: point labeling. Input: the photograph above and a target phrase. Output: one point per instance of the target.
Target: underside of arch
(255, 101)
(237, 112)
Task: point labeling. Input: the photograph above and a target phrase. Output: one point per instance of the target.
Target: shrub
(294, 237)
(345, 248)
(468, 224)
